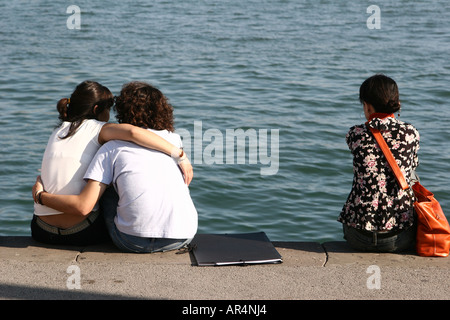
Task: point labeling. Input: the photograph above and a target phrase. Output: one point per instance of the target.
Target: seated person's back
(154, 201)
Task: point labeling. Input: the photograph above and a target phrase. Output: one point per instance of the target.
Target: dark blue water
(288, 71)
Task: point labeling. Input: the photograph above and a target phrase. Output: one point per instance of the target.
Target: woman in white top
(70, 149)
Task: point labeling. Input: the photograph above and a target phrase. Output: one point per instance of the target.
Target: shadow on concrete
(313, 247)
(21, 292)
(27, 241)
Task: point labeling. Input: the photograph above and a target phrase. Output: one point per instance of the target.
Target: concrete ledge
(309, 271)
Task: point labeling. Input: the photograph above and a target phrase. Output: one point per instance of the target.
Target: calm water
(291, 67)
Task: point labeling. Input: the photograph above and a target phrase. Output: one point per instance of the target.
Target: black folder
(233, 249)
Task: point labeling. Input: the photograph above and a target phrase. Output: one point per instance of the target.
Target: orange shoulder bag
(433, 230)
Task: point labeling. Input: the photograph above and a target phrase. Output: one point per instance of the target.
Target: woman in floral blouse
(378, 215)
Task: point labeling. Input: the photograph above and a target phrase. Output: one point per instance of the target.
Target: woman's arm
(81, 204)
(148, 139)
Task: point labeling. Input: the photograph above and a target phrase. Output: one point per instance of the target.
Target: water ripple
(294, 66)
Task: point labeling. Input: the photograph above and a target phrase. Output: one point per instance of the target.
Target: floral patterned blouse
(376, 202)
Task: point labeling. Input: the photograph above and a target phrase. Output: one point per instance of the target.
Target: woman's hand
(186, 168)
(183, 162)
(37, 188)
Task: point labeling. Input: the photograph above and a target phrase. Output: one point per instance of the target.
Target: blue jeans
(380, 242)
(130, 243)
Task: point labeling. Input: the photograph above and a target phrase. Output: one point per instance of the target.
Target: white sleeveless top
(65, 161)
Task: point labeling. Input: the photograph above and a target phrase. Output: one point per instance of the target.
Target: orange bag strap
(390, 158)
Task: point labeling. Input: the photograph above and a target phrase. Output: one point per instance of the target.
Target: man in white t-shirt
(146, 203)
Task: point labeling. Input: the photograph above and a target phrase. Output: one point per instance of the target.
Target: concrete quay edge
(310, 271)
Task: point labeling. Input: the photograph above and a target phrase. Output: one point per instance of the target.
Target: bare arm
(81, 204)
(148, 139)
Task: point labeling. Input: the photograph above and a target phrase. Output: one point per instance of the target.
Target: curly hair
(143, 105)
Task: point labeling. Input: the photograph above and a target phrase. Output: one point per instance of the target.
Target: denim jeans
(379, 242)
(129, 243)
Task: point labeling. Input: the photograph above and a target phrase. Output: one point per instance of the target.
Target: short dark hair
(143, 105)
(381, 92)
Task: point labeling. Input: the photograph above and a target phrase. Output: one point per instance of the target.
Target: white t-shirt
(154, 201)
(65, 161)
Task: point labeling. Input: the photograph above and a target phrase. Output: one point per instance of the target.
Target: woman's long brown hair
(80, 106)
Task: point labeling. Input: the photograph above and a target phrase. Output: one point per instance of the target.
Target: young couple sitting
(127, 182)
